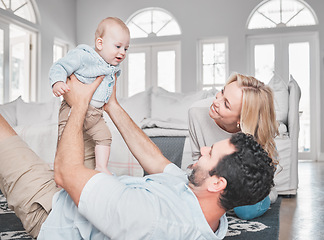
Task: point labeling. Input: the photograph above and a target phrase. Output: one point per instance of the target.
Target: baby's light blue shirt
(159, 206)
(86, 64)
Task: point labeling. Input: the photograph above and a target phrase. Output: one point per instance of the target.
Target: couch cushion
(8, 111)
(138, 106)
(294, 99)
(169, 106)
(35, 113)
(281, 98)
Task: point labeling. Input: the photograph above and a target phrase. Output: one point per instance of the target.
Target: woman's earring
(238, 125)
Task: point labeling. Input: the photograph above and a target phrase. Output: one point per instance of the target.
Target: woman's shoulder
(200, 109)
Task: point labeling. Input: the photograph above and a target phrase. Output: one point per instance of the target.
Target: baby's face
(115, 43)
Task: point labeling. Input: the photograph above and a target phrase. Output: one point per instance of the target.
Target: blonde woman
(244, 104)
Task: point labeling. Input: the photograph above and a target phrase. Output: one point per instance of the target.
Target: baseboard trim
(288, 192)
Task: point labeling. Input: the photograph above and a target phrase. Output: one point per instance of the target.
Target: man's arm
(141, 146)
(69, 169)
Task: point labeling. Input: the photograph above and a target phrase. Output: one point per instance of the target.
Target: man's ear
(217, 184)
(99, 42)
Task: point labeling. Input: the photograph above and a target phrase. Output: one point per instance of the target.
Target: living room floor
(302, 216)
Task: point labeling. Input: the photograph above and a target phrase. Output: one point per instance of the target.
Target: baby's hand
(59, 88)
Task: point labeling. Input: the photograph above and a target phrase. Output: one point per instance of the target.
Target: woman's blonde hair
(258, 116)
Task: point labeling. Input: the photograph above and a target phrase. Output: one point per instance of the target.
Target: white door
(295, 55)
(153, 65)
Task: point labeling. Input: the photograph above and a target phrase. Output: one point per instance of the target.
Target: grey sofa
(286, 178)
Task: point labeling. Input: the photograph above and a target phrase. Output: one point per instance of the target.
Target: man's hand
(80, 94)
(59, 88)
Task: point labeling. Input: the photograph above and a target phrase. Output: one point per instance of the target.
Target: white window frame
(6, 19)
(31, 61)
(200, 60)
(151, 50)
(62, 44)
(281, 70)
(153, 34)
(149, 42)
(29, 4)
(280, 25)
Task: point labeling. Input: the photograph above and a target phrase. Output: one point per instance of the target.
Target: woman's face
(226, 107)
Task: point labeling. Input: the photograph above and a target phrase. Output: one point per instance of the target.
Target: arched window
(18, 50)
(291, 53)
(281, 13)
(21, 8)
(153, 60)
(152, 22)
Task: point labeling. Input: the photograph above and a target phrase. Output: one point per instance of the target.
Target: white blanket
(157, 128)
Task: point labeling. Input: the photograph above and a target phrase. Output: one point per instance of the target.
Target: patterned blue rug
(265, 227)
(10, 225)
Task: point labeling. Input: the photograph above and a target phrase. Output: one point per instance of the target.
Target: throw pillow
(281, 98)
(8, 111)
(138, 106)
(169, 106)
(35, 113)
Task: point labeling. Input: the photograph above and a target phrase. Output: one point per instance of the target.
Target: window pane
(172, 28)
(21, 8)
(18, 78)
(166, 70)
(19, 63)
(136, 73)
(214, 65)
(219, 51)
(219, 73)
(159, 20)
(264, 56)
(58, 52)
(144, 21)
(259, 21)
(1, 66)
(208, 74)
(289, 9)
(151, 23)
(299, 68)
(136, 32)
(281, 13)
(271, 10)
(305, 17)
(4, 4)
(208, 54)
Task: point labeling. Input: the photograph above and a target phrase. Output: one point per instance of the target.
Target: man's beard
(196, 175)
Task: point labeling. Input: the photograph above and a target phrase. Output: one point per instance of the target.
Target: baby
(111, 43)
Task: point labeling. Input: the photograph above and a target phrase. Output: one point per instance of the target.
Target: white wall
(76, 20)
(57, 20)
(198, 19)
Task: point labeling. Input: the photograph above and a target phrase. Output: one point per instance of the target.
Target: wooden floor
(302, 217)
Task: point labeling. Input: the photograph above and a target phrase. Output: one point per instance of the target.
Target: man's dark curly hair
(249, 173)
